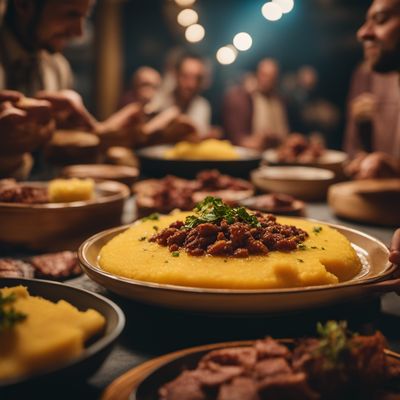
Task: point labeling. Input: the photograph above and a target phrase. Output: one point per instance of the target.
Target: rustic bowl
(61, 226)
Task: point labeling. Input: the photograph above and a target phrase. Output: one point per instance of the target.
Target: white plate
(373, 254)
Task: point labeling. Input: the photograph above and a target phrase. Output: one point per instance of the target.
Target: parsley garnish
(9, 317)
(175, 254)
(300, 260)
(302, 246)
(317, 229)
(155, 227)
(141, 239)
(334, 341)
(151, 217)
(214, 210)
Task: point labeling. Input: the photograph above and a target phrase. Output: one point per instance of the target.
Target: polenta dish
(37, 334)
(209, 149)
(221, 247)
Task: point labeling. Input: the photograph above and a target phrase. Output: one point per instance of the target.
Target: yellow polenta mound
(68, 190)
(51, 334)
(328, 258)
(209, 149)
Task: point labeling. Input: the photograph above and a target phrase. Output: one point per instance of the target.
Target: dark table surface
(151, 331)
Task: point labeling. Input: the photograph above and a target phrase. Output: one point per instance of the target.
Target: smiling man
(375, 116)
(33, 34)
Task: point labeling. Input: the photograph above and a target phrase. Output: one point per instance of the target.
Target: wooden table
(151, 332)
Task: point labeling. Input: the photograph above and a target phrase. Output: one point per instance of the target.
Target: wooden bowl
(61, 226)
(119, 173)
(305, 183)
(374, 201)
(72, 147)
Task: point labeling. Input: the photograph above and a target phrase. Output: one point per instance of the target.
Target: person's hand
(68, 110)
(24, 125)
(394, 255)
(363, 107)
(10, 95)
(122, 128)
(375, 165)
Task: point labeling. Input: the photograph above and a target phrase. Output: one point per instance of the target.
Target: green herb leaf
(334, 341)
(151, 217)
(175, 254)
(141, 239)
(214, 210)
(317, 229)
(302, 246)
(9, 317)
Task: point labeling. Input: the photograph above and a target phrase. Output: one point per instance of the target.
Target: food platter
(142, 382)
(93, 355)
(154, 163)
(330, 159)
(62, 225)
(372, 253)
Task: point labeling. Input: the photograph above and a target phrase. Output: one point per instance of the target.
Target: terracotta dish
(372, 253)
(305, 183)
(275, 203)
(61, 226)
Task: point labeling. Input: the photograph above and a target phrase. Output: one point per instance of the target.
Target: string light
(271, 11)
(285, 5)
(242, 41)
(185, 3)
(195, 33)
(187, 17)
(226, 55)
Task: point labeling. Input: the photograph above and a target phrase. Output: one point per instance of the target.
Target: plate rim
(388, 269)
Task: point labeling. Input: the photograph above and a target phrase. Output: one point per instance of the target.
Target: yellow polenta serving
(50, 333)
(325, 257)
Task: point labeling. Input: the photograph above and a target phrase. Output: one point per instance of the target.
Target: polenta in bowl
(219, 247)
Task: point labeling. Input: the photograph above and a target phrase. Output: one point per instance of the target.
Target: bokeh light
(271, 11)
(285, 5)
(195, 33)
(226, 55)
(187, 17)
(185, 3)
(242, 41)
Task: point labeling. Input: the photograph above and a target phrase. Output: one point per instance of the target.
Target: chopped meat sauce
(238, 239)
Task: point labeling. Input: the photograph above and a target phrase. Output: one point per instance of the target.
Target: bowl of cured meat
(166, 194)
(31, 220)
(335, 365)
(308, 152)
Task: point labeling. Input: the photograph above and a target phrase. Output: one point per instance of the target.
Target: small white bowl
(305, 183)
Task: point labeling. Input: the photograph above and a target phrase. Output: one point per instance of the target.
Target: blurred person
(191, 75)
(145, 83)
(25, 126)
(307, 111)
(380, 36)
(256, 118)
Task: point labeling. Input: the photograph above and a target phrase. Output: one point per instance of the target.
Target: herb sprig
(9, 317)
(334, 341)
(214, 210)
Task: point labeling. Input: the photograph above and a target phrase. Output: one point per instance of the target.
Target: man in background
(256, 119)
(380, 36)
(145, 83)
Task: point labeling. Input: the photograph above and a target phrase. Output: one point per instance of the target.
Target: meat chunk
(10, 268)
(60, 265)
